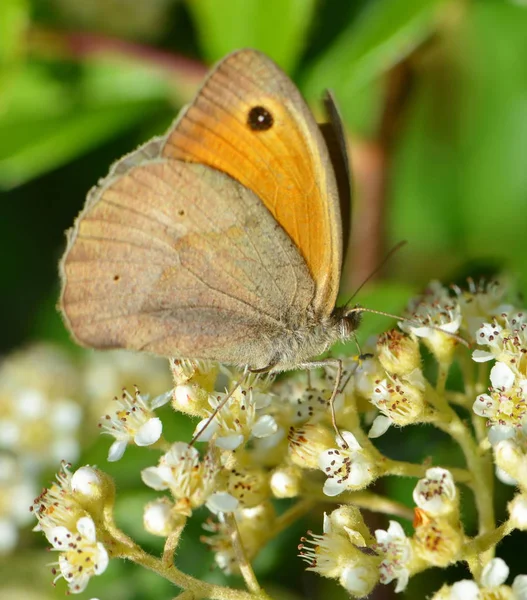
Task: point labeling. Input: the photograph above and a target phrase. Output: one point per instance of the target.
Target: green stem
(243, 562)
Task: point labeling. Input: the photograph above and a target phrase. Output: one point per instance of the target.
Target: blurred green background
(434, 97)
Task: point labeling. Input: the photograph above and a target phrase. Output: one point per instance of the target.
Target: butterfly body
(220, 240)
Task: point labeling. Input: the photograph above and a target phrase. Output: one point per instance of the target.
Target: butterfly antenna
(361, 309)
(395, 249)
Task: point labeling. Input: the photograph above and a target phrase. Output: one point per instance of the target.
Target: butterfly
(224, 238)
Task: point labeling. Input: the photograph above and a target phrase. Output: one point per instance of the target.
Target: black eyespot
(116, 277)
(259, 119)
(181, 212)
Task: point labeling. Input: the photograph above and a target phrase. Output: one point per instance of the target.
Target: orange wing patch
(249, 121)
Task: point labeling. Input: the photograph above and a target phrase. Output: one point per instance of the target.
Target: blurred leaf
(72, 117)
(13, 21)
(30, 148)
(386, 32)
(494, 134)
(459, 183)
(276, 27)
(425, 198)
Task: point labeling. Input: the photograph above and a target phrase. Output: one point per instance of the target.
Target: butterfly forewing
(250, 121)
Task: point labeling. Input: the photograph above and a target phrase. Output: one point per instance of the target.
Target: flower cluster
(68, 514)
(257, 440)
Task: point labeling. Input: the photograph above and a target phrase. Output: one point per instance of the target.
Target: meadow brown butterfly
(222, 239)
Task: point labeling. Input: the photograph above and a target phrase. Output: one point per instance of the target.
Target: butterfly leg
(215, 412)
(337, 363)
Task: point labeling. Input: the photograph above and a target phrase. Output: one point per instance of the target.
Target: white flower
(237, 419)
(436, 494)
(134, 421)
(57, 505)
(82, 556)
(397, 553)
(481, 302)
(505, 406)
(347, 467)
(180, 470)
(437, 309)
(400, 400)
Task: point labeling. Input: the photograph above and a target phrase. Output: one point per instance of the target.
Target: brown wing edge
(147, 151)
(336, 142)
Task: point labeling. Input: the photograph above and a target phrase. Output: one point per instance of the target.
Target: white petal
(494, 573)
(499, 433)
(350, 439)
(149, 433)
(102, 559)
(519, 587)
(327, 460)
(333, 487)
(359, 476)
(181, 450)
(504, 477)
(59, 537)
(379, 426)
(161, 400)
(483, 404)
(395, 530)
(355, 580)
(204, 431)
(222, 502)
(466, 589)
(86, 527)
(402, 581)
(158, 478)
(116, 450)
(481, 356)
(501, 376)
(85, 481)
(264, 426)
(230, 442)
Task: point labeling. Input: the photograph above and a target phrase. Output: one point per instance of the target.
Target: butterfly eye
(259, 119)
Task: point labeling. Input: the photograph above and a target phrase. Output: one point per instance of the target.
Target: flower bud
(160, 519)
(286, 482)
(92, 487)
(398, 353)
(518, 512)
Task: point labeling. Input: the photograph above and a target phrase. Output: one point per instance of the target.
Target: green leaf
(494, 134)
(386, 32)
(13, 22)
(32, 147)
(276, 27)
(72, 117)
